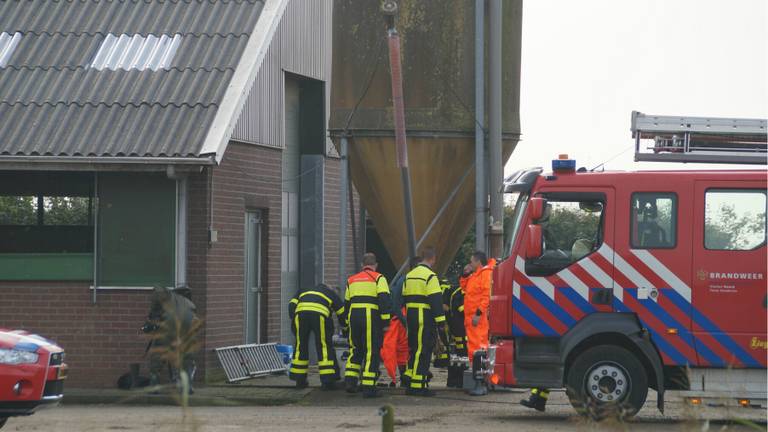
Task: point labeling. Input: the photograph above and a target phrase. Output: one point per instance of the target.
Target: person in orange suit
(477, 296)
(394, 351)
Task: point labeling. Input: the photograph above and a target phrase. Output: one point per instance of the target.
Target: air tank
(437, 52)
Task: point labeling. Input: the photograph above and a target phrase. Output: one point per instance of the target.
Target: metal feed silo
(439, 86)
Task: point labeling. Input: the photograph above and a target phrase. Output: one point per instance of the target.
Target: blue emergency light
(563, 164)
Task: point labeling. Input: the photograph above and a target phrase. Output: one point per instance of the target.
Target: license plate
(63, 372)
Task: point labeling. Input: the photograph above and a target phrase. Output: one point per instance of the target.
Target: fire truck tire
(607, 381)
(2, 421)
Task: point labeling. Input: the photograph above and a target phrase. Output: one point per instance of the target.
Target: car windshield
(512, 224)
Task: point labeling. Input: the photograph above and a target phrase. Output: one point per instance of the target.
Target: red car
(32, 373)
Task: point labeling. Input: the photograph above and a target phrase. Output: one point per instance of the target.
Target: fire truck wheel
(2, 421)
(607, 381)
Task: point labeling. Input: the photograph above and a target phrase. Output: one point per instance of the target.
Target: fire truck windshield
(518, 204)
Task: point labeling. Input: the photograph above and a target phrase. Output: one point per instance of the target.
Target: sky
(586, 65)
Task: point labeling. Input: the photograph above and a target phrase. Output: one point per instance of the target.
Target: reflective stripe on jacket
(422, 290)
(369, 289)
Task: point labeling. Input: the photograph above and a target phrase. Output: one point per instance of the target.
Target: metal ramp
(243, 362)
(699, 139)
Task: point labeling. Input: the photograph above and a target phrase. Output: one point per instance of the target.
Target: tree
(62, 210)
(66, 210)
(18, 210)
(467, 248)
(725, 228)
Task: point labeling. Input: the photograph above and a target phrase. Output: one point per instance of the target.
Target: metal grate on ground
(243, 362)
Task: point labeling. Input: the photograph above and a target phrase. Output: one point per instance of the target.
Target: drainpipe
(95, 236)
(389, 8)
(344, 180)
(494, 123)
(481, 194)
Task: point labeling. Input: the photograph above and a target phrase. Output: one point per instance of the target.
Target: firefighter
(453, 300)
(369, 304)
(311, 312)
(477, 296)
(537, 400)
(394, 351)
(424, 313)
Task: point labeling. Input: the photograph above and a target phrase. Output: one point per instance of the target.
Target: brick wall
(249, 177)
(100, 340)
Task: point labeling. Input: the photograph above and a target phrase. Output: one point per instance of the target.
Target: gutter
(97, 163)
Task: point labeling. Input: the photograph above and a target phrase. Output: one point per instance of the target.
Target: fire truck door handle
(602, 296)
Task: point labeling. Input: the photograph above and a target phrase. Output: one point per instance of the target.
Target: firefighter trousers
(365, 339)
(306, 324)
(422, 333)
(458, 335)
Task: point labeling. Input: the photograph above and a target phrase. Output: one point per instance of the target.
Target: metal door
(254, 271)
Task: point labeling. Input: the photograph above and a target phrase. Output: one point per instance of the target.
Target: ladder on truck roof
(699, 139)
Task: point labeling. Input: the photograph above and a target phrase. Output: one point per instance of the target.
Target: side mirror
(537, 205)
(533, 242)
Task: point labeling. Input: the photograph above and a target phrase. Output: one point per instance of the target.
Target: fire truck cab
(617, 282)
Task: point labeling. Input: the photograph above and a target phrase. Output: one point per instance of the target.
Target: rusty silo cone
(437, 38)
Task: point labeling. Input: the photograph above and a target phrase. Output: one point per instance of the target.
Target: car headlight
(15, 357)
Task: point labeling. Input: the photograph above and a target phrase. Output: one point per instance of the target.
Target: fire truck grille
(249, 361)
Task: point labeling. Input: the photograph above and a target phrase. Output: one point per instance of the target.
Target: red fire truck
(617, 282)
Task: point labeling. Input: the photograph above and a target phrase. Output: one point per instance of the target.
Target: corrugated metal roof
(53, 103)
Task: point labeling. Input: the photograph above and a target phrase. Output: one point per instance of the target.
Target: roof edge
(78, 162)
(231, 105)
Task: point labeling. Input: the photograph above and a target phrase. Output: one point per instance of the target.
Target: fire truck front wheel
(2, 421)
(607, 381)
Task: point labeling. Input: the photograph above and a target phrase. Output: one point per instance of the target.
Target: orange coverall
(477, 296)
(394, 349)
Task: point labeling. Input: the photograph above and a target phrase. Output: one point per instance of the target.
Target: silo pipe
(396, 78)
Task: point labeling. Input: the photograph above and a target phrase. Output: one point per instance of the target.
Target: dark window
(46, 213)
(734, 219)
(654, 220)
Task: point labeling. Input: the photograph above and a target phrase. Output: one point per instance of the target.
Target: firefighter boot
(328, 386)
(405, 380)
(424, 392)
(301, 382)
(537, 400)
(350, 384)
(481, 388)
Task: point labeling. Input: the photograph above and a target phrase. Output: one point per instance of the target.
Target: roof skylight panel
(8, 43)
(136, 52)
